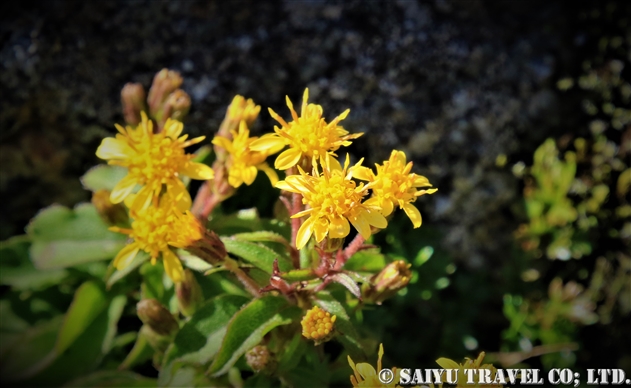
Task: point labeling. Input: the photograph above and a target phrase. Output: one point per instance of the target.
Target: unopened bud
(388, 282)
(164, 83)
(189, 294)
(113, 214)
(317, 325)
(258, 357)
(331, 244)
(133, 98)
(209, 248)
(241, 109)
(177, 105)
(157, 317)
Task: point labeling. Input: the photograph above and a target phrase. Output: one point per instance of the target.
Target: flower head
(469, 364)
(333, 199)
(307, 135)
(241, 109)
(156, 230)
(317, 324)
(152, 160)
(243, 164)
(364, 375)
(394, 185)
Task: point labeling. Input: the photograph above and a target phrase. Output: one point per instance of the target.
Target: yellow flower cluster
(317, 324)
(160, 208)
(153, 161)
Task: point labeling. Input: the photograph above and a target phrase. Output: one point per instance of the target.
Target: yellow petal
(366, 370)
(172, 266)
(362, 173)
(287, 159)
(180, 195)
(387, 207)
(122, 189)
(196, 170)
(142, 199)
(270, 172)
(223, 142)
(339, 227)
(111, 148)
(304, 233)
(375, 218)
(173, 128)
(269, 143)
(320, 228)
(413, 214)
(398, 156)
(125, 256)
(249, 174)
(283, 185)
(361, 224)
(446, 363)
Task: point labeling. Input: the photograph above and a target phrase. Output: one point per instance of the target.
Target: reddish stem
(349, 251)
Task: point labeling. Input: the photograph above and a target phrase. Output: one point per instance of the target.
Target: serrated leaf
(248, 327)
(103, 177)
(200, 338)
(63, 237)
(258, 255)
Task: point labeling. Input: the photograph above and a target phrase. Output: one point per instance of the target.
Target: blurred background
(525, 246)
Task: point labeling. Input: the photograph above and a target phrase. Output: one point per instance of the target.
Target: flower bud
(133, 98)
(164, 83)
(113, 214)
(317, 325)
(209, 248)
(332, 244)
(157, 317)
(177, 105)
(388, 282)
(258, 357)
(242, 109)
(189, 294)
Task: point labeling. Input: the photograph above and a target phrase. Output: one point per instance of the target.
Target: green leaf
(113, 378)
(292, 354)
(63, 237)
(298, 275)
(198, 341)
(141, 352)
(103, 177)
(347, 334)
(17, 270)
(248, 327)
(256, 254)
(89, 301)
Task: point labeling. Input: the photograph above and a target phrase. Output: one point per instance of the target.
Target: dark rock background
(453, 83)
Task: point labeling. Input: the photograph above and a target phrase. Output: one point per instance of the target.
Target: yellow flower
(317, 324)
(333, 200)
(243, 163)
(152, 160)
(308, 135)
(364, 375)
(156, 230)
(394, 185)
(446, 363)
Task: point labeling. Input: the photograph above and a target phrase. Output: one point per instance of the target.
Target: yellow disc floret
(152, 160)
(156, 230)
(394, 185)
(333, 199)
(307, 135)
(317, 324)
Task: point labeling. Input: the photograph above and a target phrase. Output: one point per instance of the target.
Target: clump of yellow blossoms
(243, 164)
(153, 160)
(156, 230)
(394, 185)
(333, 199)
(307, 135)
(241, 109)
(446, 363)
(317, 324)
(364, 375)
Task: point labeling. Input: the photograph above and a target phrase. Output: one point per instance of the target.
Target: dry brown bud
(133, 98)
(157, 317)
